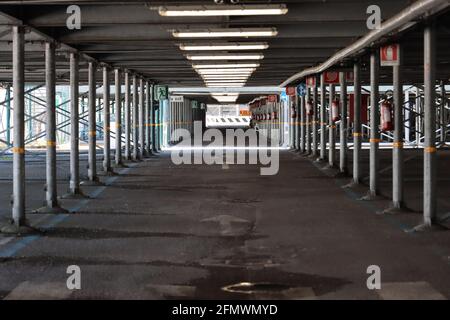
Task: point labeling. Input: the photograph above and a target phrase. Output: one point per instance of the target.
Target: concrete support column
(343, 125)
(323, 128)
(127, 117)
(442, 116)
(297, 122)
(106, 123)
(357, 133)
(74, 184)
(92, 157)
(118, 103)
(154, 122)
(374, 125)
(141, 118)
(148, 106)
(315, 139)
(302, 124)
(429, 163)
(397, 154)
(332, 130)
(308, 119)
(18, 63)
(135, 125)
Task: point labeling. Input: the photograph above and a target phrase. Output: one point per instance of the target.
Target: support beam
(429, 162)
(148, 121)
(343, 126)
(154, 122)
(74, 183)
(302, 124)
(323, 124)
(357, 134)
(332, 130)
(308, 118)
(374, 126)
(18, 209)
(315, 140)
(118, 116)
(141, 118)
(107, 170)
(136, 155)
(127, 117)
(92, 153)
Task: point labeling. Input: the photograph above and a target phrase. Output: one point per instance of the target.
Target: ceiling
(132, 35)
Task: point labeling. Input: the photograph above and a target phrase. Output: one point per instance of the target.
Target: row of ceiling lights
(233, 74)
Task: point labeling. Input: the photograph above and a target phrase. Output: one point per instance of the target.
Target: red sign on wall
(290, 91)
(272, 98)
(390, 55)
(331, 77)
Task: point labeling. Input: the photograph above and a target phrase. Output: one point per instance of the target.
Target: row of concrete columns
(306, 133)
(142, 143)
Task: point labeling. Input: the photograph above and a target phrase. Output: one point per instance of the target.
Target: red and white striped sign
(390, 55)
(331, 77)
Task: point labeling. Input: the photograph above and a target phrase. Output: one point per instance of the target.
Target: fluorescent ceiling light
(226, 57)
(228, 85)
(225, 98)
(225, 81)
(225, 46)
(224, 77)
(225, 66)
(222, 10)
(226, 71)
(225, 94)
(222, 33)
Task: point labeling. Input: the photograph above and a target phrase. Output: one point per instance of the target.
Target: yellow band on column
(430, 150)
(357, 134)
(18, 150)
(51, 143)
(92, 133)
(398, 145)
(375, 140)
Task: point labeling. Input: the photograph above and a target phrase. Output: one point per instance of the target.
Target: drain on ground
(261, 287)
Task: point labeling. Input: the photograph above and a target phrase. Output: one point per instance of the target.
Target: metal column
(106, 123)
(357, 134)
(74, 185)
(154, 121)
(323, 128)
(315, 140)
(442, 117)
(92, 157)
(136, 155)
(8, 114)
(148, 121)
(118, 103)
(374, 125)
(429, 162)
(332, 130)
(18, 56)
(51, 198)
(343, 125)
(397, 151)
(141, 118)
(308, 122)
(302, 124)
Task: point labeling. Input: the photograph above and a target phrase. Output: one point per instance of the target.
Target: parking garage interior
(115, 158)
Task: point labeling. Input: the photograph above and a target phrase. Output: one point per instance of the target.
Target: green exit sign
(161, 92)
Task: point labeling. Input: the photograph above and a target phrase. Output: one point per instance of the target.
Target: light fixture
(225, 46)
(241, 71)
(225, 57)
(224, 77)
(225, 98)
(225, 81)
(225, 66)
(222, 10)
(222, 33)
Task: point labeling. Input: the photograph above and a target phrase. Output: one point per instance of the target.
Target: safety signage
(311, 81)
(290, 91)
(331, 77)
(390, 55)
(301, 90)
(194, 104)
(161, 92)
(272, 98)
(176, 99)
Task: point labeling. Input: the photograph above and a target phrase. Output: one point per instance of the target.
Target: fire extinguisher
(309, 108)
(387, 123)
(335, 111)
